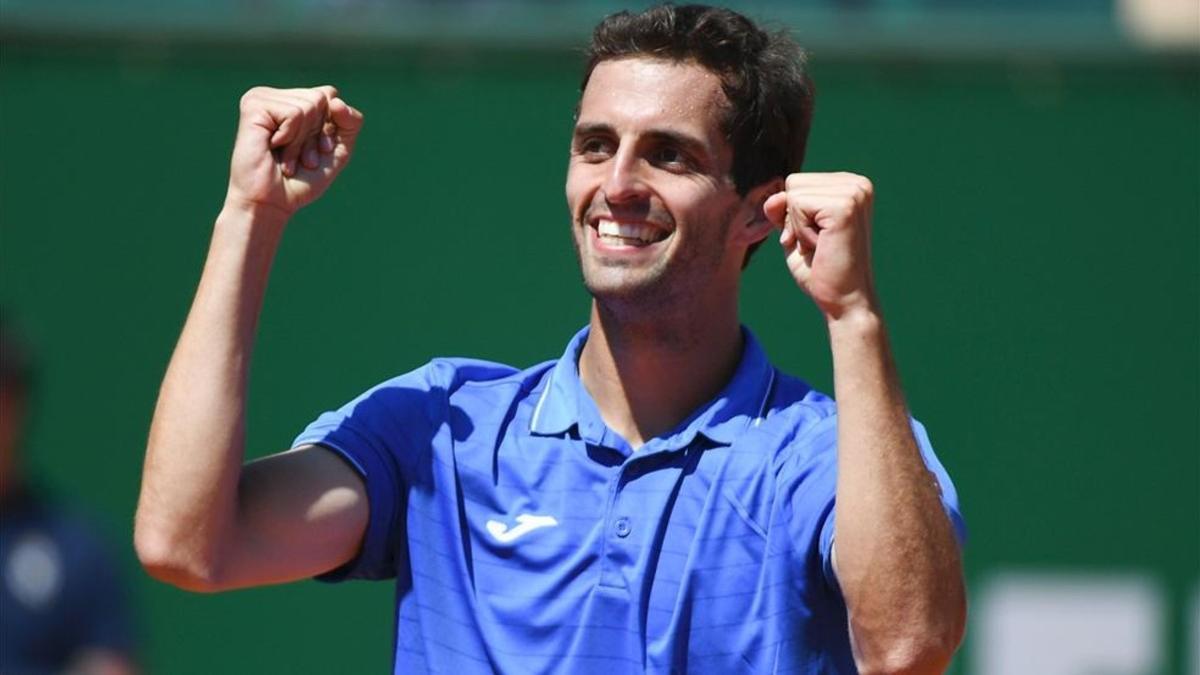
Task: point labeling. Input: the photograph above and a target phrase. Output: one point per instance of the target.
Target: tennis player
(659, 498)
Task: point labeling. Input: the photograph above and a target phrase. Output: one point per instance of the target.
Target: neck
(647, 374)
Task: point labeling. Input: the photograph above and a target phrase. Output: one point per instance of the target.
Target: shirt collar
(557, 408)
(564, 402)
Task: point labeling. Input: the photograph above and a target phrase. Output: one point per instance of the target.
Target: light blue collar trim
(743, 402)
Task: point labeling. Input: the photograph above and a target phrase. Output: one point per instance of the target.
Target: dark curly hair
(763, 75)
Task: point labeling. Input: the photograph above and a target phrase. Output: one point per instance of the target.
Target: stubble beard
(667, 286)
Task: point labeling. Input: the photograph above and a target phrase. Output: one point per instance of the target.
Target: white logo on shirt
(526, 523)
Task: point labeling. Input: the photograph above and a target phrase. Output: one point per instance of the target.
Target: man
(659, 499)
(62, 604)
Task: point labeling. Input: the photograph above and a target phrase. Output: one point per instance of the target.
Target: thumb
(775, 208)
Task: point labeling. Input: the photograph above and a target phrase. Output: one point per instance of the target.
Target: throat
(645, 384)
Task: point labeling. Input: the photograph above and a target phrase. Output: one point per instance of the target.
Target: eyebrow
(691, 143)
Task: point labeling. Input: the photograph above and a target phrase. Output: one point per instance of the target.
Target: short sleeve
(946, 488)
(819, 493)
(386, 436)
(811, 481)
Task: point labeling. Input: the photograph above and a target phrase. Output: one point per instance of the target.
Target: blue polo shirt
(525, 536)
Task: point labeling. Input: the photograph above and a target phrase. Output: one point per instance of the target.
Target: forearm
(188, 501)
(897, 560)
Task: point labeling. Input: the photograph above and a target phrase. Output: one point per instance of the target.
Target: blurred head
(16, 380)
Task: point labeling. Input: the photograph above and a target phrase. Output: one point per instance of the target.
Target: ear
(753, 223)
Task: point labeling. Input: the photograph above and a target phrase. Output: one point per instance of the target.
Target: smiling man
(660, 498)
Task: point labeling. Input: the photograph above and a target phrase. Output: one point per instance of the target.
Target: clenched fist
(291, 144)
(826, 221)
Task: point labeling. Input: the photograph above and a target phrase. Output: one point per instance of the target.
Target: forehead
(646, 92)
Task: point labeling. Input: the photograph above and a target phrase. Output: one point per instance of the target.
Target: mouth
(617, 234)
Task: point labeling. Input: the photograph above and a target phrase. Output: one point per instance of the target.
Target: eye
(594, 148)
(670, 157)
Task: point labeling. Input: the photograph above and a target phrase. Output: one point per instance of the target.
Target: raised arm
(203, 521)
(895, 555)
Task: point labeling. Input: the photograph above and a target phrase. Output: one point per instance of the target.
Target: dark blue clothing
(60, 593)
(525, 536)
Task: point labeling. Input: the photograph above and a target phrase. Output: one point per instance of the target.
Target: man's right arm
(204, 522)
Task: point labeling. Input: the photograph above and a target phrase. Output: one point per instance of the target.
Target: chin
(624, 288)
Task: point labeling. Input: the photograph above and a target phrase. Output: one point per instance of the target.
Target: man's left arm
(896, 558)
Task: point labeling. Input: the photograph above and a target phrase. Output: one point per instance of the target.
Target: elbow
(915, 657)
(926, 649)
(170, 561)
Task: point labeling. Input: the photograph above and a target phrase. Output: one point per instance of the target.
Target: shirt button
(622, 526)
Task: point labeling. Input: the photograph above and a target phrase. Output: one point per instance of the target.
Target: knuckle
(866, 186)
(249, 98)
(296, 111)
(316, 99)
(297, 107)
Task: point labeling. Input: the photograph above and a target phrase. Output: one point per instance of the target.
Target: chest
(556, 531)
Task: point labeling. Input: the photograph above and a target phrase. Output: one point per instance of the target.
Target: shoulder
(447, 382)
(442, 377)
(458, 373)
(427, 394)
(798, 430)
(797, 412)
(483, 390)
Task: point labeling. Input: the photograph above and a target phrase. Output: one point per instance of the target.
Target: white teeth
(642, 233)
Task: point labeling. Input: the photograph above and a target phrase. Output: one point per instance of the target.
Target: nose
(625, 181)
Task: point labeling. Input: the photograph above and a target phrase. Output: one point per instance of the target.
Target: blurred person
(62, 604)
(660, 498)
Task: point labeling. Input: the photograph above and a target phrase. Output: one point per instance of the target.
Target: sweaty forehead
(639, 91)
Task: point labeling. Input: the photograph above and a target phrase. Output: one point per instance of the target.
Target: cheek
(704, 209)
(576, 193)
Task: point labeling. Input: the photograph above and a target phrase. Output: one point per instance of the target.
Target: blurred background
(1037, 244)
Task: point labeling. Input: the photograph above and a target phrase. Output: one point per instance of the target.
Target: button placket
(622, 527)
(619, 548)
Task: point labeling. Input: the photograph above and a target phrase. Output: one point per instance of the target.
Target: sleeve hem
(371, 467)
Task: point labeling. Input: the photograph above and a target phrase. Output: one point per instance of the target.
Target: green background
(1037, 245)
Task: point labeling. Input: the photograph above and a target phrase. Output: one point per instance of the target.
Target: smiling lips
(628, 234)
